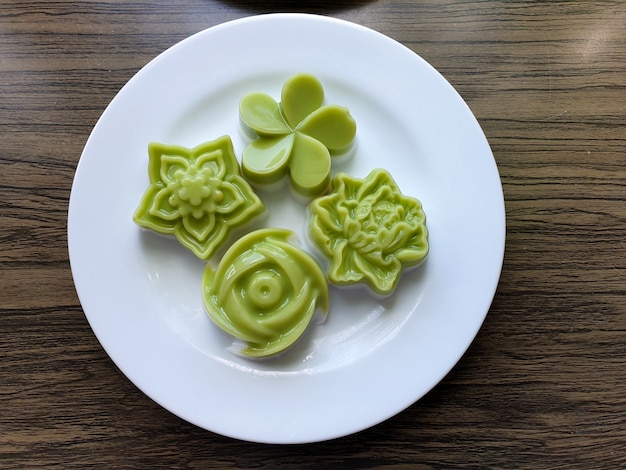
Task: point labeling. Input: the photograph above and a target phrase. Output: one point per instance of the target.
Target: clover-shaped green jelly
(369, 230)
(296, 136)
(198, 195)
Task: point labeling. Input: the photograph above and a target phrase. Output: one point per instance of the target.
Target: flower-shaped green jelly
(198, 195)
(296, 136)
(264, 292)
(369, 230)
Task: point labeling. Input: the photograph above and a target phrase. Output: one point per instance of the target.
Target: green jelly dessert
(198, 195)
(369, 231)
(264, 292)
(296, 136)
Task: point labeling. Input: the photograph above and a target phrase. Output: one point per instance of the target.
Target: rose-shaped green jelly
(296, 136)
(264, 292)
(369, 230)
(198, 195)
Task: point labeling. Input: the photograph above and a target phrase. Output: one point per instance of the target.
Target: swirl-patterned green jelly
(265, 292)
(369, 230)
(296, 136)
(198, 195)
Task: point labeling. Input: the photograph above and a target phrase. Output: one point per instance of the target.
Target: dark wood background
(544, 383)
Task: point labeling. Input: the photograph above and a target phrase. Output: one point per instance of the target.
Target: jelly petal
(218, 153)
(231, 198)
(214, 162)
(366, 243)
(342, 269)
(327, 221)
(143, 217)
(161, 206)
(379, 193)
(265, 161)
(375, 181)
(251, 207)
(202, 248)
(416, 248)
(414, 214)
(332, 125)
(347, 187)
(170, 164)
(310, 166)
(155, 153)
(301, 95)
(397, 237)
(382, 278)
(201, 227)
(262, 114)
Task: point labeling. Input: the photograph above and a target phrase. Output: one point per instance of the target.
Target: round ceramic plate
(372, 358)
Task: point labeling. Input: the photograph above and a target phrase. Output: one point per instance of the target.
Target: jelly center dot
(194, 190)
(195, 193)
(265, 290)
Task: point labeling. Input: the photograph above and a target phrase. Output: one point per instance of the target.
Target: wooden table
(544, 383)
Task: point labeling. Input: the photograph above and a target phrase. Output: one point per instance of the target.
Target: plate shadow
(291, 6)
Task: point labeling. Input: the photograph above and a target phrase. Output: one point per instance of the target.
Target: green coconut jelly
(295, 137)
(198, 195)
(264, 292)
(369, 231)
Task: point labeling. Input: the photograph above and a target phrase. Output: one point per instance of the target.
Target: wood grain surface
(544, 383)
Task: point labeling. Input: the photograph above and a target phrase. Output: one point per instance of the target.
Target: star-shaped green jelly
(296, 136)
(198, 195)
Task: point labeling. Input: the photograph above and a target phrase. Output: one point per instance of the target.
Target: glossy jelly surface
(198, 195)
(368, 230)
(264, 292)
(296, 136)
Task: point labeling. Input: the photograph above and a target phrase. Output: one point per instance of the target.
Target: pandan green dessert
(295, 137)
(369, 231)
(264, 292)
(197, 195)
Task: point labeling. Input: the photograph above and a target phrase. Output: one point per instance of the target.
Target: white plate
(372, 358)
